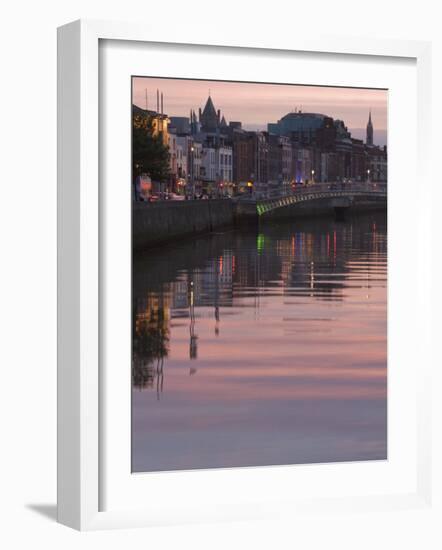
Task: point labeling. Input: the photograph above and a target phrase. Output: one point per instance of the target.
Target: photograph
(259, 274)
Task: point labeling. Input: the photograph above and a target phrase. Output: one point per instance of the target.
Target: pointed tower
(369, 139)
(194, 124)
(209, 117)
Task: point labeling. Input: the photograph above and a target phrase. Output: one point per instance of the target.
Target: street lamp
(313, 176)
(368, 175)
(192, 176)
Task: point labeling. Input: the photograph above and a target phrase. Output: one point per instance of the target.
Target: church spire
(369, 139)
(209, 117)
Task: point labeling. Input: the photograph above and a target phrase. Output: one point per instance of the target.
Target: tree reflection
(150, 344)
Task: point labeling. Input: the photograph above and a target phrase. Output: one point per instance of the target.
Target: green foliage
(149, 154)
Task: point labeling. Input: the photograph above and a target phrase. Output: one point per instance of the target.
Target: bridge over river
(316, 199)
(166, 221)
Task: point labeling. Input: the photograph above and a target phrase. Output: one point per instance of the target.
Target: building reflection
(315, 260)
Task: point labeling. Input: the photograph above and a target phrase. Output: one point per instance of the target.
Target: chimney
(162, 111)
(158, 101)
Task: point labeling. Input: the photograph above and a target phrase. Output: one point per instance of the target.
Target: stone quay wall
(161, 222)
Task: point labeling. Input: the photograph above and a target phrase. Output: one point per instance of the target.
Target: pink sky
(256, 104)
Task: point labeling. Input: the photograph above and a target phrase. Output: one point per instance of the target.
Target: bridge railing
(365, 187)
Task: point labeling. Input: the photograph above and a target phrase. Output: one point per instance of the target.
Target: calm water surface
(261, 347)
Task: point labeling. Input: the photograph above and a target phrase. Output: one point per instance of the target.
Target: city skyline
(257, 104)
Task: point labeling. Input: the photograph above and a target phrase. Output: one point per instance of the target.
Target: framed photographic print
(232, 337)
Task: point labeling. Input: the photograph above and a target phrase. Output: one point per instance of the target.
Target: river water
(262, 347)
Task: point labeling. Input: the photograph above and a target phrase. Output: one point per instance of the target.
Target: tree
(149, 154)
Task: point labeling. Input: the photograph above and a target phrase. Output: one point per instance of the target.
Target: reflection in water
(150, 344)
(283, 334)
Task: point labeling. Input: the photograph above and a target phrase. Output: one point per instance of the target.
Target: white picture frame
(80, 393)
